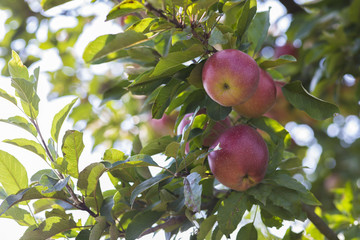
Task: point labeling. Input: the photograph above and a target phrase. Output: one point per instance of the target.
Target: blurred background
(324, 36)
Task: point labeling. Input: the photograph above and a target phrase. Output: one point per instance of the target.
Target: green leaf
(205, 227)
(28, 145)
(17, 68)
(260, 192)
(163, 99)
(231, 211)
(175, 59)
(163, 42)
(146, 185)
(8, 97)
(30, 194)
(89, 178)
(21, 122)
(83, 235)
(192, 191)
(247, 232)
(113, 155)
(217, 37)
(277, 62)
(13, 175)
(124, 8)
(247, 14)
(53, 184)
(48, 228)
(107, 44)
(258, 30)
(72, 148)
(140, 160)
(157, 146)
(21, 216)
(98, 229)
(318, 109)
(216, 111)
(115, 92)
(47, 4)
(141, 222)
(172, 149)
(26, 92)
(59, 119)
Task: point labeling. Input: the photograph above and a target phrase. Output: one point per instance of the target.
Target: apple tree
(160, 105)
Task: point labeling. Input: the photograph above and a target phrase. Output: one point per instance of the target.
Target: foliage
(163, 47)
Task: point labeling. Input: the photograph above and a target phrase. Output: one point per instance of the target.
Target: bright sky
(9, 229)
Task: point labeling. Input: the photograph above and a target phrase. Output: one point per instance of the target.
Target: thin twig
(170, 222)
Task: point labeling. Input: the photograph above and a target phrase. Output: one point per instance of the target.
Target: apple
(230, 77)
(287, 49)
(242, 159)
(163, 126)
(217, 129)
(262, 100)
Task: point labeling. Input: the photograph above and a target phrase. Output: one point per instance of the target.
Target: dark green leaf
(163, 42)
(216, 111)
(205, 227)
(247, 232)
(48, 228)
(47, 4)
(72, 148)
(146, 185)
(59, 119)
(277, 62)
(13, 176)
(141, 222)
(30, 194)
(247, 14)
(174, 60)
(318, 109)
(157, 146)
(231, 211)
(124, 8)
(98, 229)
(260, 192)
(89, 178)
(28, 145)
(21, 122)
(83, 235)
(115, 92)
(192, 191)
(164, 97)
(217, 37)
(106, 44)
(258, 30)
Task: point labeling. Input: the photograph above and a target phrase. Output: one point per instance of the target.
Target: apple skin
(262, 100)
(242, 160)
(217, 129)
(287, 49)
(163, 126)
(230, 77)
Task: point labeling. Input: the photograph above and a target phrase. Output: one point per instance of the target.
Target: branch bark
(319, 223)
(170, 222)
(291, 6)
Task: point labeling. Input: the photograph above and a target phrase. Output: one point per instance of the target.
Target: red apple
(287, 49)
(262, 100)
(217, 129)
(230, 77)
(163, 126)
(242, 160)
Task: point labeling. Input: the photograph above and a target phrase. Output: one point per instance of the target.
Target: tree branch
(319, 223)
(291, 6)
(160, 13)
(170, 222)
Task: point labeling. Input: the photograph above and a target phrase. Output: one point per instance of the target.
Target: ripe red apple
(230, 77)
(163, 126)
(217, 129)
(242, 160)
(287, 49)
(262, 100)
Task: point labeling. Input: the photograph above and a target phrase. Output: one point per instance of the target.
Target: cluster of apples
(232, 78)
